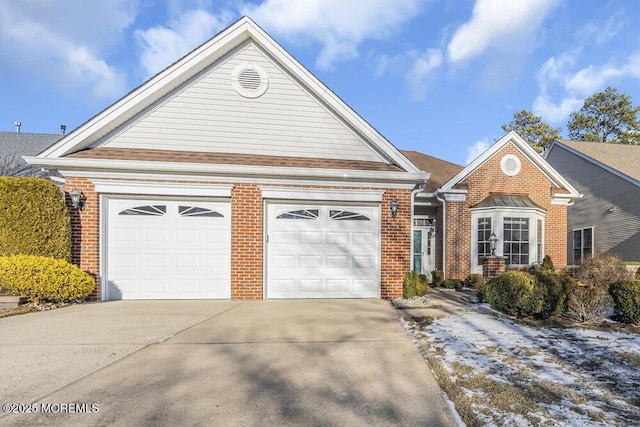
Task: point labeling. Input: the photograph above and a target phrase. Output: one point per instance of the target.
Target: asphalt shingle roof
(14, 145)
(441, 170)
(625, 158)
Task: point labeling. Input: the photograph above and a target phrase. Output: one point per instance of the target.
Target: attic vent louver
(249, 80)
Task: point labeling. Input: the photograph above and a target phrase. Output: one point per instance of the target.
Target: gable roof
(17, 144)
(567, 193)
(621, 158)
(196, 62)
(441, 170)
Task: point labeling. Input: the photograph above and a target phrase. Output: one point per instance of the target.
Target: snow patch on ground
(577, 377)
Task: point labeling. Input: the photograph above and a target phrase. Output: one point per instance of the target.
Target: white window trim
(497, 216)
(161, 189)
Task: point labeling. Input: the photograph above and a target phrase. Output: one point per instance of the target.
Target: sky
(436, 76)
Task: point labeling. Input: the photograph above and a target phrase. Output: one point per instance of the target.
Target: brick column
(492, 266)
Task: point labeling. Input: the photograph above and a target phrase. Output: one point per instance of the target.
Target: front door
(424, 250)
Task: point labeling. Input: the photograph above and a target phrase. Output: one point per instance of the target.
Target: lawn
(498, 371)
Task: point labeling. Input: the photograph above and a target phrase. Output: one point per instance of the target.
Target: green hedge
(44, 278)
(556, 289)
(516, 293)
(437, 278)
(33, 218)
(452, 284)
(414, 285)
(626, 299)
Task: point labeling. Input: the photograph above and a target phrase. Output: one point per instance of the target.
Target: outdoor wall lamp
(493, 243)
(77, 198)
(394, 208)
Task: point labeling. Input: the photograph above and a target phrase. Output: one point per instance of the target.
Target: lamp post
(493, 243)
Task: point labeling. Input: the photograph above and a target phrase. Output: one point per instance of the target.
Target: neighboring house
(235, 173)
(607, 218)
(509, 190)
(15, 145)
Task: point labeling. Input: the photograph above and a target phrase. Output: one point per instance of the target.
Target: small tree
(532, 129)
(606, 116)
(547, 264)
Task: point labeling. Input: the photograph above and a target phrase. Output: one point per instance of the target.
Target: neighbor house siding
(611, 205)
(486, 179)
(208, 115)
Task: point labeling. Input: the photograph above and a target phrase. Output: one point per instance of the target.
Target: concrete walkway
(325, 362)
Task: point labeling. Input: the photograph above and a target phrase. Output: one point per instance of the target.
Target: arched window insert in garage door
(150, 210)
(347, 215)
(299, 214)
(197, 211)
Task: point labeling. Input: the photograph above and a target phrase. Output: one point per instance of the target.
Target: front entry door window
(423, 249)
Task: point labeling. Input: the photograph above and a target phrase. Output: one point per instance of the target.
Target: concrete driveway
(323, 362)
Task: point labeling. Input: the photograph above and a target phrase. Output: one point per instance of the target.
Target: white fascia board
(90, 166)
(324, 194)
(162, 189)
(507, 209)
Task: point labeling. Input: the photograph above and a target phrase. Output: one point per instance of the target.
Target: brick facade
(489, 178)
(247, 239)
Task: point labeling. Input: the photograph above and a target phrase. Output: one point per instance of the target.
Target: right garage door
(323, 251)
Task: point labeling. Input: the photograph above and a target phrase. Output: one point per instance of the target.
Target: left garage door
(168, 249)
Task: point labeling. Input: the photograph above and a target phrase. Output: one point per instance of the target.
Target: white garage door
(159, 249)
(323, 251)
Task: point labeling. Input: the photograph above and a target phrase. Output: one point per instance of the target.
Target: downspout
(444, 233)
(419, 187)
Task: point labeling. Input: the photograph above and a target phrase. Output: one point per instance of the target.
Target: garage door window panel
(347, 215)
(195, 211)
(299, 214)
(149, 210)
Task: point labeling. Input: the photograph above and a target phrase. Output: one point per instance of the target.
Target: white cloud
(339, 26)
(45, 40)
(591, 79)
(556, 113)
(557, 74)
(505, 24)
(477, 149)
(163, 45)
(600, 32)
(423, 66)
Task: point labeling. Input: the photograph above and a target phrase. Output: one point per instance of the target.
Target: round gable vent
(510, 165)
(249, 80)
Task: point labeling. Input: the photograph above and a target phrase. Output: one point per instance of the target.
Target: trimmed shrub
(601, 271)
(437, 278)
(516, 293)
(556, 289)
(626, 300)
(33, 218)
(452, 284)
(44, 278)
(547, 264)
(414, 285)
(589, 304)
(638, 274)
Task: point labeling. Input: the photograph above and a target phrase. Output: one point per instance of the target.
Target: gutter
(444, 232)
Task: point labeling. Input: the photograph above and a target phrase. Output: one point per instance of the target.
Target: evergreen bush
(33, 218)
(44, 278)
(452, 284)
(556, 289)
(414, 285)
(437, 278)
(516, 293)
(547, 264)
(626, 300)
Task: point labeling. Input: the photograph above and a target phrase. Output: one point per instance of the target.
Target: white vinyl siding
(209, 116)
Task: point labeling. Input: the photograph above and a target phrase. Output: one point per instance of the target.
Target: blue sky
(435, 76)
